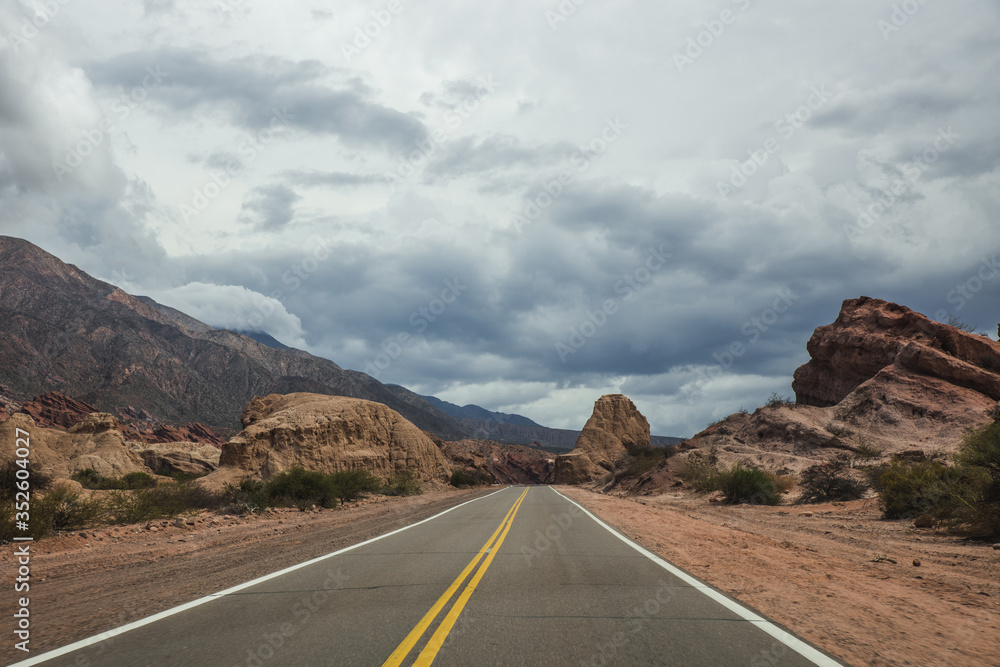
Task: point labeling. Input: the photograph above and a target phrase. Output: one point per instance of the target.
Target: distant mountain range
(61, 329)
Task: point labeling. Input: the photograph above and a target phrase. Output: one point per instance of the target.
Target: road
(523, 576)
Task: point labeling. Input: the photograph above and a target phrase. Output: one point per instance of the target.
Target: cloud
(235, 307)
(253, 90)
(269, 207)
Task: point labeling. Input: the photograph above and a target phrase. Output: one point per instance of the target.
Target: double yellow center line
(436, 641)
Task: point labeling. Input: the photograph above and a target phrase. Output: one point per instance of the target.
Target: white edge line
(114, 632)
(783, 636)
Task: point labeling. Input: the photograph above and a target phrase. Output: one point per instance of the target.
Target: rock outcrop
(505, 463)
(57, 409)
(614, 428)
(96, 442)
(162, 433)
(194, 458)
(870, 335)
(882, 380)
(327, 433)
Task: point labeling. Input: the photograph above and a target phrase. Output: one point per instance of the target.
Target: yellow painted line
(430, 651)
(420, 628)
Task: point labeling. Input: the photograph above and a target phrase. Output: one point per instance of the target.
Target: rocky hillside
(614, 428)
(61, 329)
(504, 463)
(882, 379)
(329, 434)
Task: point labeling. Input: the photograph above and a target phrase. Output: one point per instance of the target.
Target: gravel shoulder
(834, 573)
(87, 582)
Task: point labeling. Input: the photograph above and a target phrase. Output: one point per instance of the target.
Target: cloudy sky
(519, 204)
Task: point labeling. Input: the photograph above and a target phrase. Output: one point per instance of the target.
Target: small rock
(807, 514)
(916, 562)
(179, 522)
(925, 521)
(996, 547)
(84, 535)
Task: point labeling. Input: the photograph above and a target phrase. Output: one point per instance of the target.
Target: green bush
(61, 508)
(302, 488)
(830, 481)
(743, 484)
(405, 483)
(464, 478)
(160, 502)
(980, 454)
(864, 449)
(91, 479)
(37, 480)
(247, 497)
(353, 484)
(908, 489)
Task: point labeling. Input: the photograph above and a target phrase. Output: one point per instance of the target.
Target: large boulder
(615, 428)
(96, 442)
(329, 434)
(870, 335)
(195, 458)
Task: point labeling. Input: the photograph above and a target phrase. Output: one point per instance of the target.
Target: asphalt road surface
(523, 576)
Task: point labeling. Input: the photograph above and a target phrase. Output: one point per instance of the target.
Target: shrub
(405, 483)
(160, 502)
(61, 508)
(912, 489)
(463, 478)
(353, 484)
(37, 480)
(776, 400)
(743, 484)
(91, 479)
(830, 481)
(864, 449)
(838, 430)
(980, 454)
(644, 459)
(302, 488)
(700, 471)
(247, 497)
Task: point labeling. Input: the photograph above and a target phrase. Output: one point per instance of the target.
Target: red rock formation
(505, 463)
(57, 409)
(870, 335)
(161, 433)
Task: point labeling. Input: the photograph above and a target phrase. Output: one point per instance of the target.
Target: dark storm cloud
(269, 207)
(255, 90)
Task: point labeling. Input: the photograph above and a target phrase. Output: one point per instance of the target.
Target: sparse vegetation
(838, 430)
(776, 400)
(301, 488)
(864, 449)
(464, 478)
(830, 481)
(747, 485)
(405, 483)
(644, 459)
(955, 321)
(91, 479)
(162, 501)
(38, 481)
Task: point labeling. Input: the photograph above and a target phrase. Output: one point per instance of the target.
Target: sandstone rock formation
(187, 457)
(871, 334)
(163, 433)
(96, 442)
(881, 378)
(327, 433)
(614, 428)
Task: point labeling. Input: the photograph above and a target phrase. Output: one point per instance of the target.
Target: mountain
(63, 330)
(477, 413)
(264, 339)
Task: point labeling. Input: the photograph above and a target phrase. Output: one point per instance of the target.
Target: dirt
(836, 574)
(86, 582)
